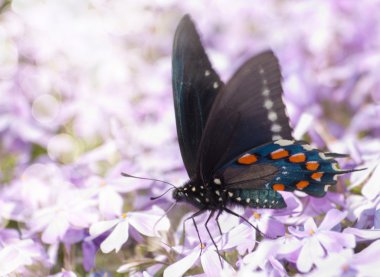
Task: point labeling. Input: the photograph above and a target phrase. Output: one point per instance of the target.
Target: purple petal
(332, 218)
(183, 265)
(102, 226)
(371, 189)
(117, 238)
(363, 234)
(369, 257)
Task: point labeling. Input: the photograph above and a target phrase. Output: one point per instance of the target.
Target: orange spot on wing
(297, 158)
(317, 176)
(279, 154)
(247, 159)
(312, 165)
(278, 187)
(302, 184)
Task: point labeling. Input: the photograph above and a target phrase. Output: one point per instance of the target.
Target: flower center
(311, 232)
(202, 246)
(124, 215)
(256, 215)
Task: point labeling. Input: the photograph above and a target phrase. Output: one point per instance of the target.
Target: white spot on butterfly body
(272, 116)
(201, 193)
(220, 199)
(207, 200)
(268, 104)
(238, 199)
(248, 200)
(217, 192)
(202, 187)
(230, 194)
(217, 181)
(197, 199)
(335, 177)
(284, 142)
(261, 70)
(207, 73)
(215, 85)
(193, 189)
(326, 188)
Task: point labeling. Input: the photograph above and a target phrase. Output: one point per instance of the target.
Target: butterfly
(235, 139)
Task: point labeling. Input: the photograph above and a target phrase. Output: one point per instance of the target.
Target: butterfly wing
(248, 112)
(195, 86)
(282, 165)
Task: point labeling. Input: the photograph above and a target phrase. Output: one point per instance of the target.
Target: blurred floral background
(85, 92)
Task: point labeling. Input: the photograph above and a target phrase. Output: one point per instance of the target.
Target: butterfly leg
(195, 225)
(212, 239)
(217, 221)
(235, 214)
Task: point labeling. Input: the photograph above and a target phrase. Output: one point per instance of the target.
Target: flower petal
(183, 265)
(148, 224)
(100, 227)
(211, 263)
(332, 218)
(117, 238)
(363, 234)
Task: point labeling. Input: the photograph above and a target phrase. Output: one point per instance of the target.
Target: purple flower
(148, 223)
(16, 253)
(347, 263)
(317, 242)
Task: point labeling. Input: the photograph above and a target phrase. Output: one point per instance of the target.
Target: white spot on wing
(217, 181)
(248, 200)
(266, 92)
(308, 147)
(275, 128)
(230, 194)
(276, 137)
(238, 198)
(284, 142)
(207, 73)
(326, 188)
(193, 189)
(272, 116)
(217, 192)
(215, 85)
(268, 104)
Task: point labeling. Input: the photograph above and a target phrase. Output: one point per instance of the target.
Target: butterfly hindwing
(195, 85)
(247, 112)
(282, 165)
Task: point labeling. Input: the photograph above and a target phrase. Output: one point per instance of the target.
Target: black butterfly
(235, 138)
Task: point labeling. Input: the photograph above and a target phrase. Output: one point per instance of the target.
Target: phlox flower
(347, 263)
(263, 259)
(317, 242)
(147, 223)
(16, 253)
(206, 253)
(72, 209)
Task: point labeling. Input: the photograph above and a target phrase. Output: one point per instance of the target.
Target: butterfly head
(178, 194)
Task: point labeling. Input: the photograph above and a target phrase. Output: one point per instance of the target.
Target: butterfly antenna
(144, 178)
(156, 197)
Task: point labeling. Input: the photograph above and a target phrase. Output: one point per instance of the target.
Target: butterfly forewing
(248, 112)
(195, 86)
